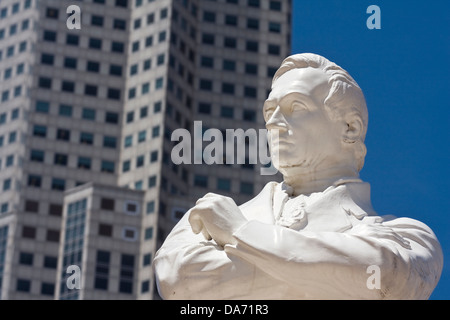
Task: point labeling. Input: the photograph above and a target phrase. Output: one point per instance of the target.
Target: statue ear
(353, 130)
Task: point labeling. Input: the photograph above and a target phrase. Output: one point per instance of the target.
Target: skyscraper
(86, 118)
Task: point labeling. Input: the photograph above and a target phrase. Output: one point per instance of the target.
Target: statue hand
(216, 217)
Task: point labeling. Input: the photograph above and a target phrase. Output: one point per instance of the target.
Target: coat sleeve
(189, 267)
(404, 252)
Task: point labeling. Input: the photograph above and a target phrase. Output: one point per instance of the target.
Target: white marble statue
(315, 235)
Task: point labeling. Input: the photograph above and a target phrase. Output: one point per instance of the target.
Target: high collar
(330, 210)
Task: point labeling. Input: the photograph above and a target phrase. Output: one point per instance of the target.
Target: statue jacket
(326, 245)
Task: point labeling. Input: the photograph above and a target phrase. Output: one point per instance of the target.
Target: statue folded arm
(325, 265)
(335, 265)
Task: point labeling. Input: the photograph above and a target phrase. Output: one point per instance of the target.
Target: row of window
(91, 90)
(231, 65)
(11, 94)
(11, 50)
(15, 8)
(141, 136)
(227, 112)
(14, 28)
(228, 88)
(15, 113)
(233, 21)
(24, 285)
(223, 184)
(275, 5)
(232, 43)
(93, 43)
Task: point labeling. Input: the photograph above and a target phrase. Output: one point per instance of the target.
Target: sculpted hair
(345, 99)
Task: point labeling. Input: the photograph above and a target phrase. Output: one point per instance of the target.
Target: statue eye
(268, 113)
(298, 106)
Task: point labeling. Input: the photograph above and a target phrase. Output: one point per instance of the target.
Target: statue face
(295, 107)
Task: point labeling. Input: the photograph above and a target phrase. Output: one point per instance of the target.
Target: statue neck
(306, 181)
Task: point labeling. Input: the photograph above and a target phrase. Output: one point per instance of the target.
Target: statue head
(319, 112)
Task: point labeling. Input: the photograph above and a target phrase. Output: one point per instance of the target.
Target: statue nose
(277, 121)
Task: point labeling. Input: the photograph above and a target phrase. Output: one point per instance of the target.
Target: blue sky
(403, 69)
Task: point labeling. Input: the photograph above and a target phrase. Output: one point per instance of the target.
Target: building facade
(86, 120)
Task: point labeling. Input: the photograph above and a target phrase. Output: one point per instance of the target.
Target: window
(126, 273)
(50, 262)
(204, 108)
(274, 27)
(95, 43)
(109, 142)
(55, 210)
(231, 20)
(149, 233)
(26, 258)
(6, 184)
(155, 131)
(273, 49)
(208, 38)
(84, 163)
(93, 66)
(142, 135)
(86, 138)
(63, 134)
(227, 112)
(107, 204)
(230, 42)
(23, 285)
(39, 131)
(229, 65)
(126, 166)
(112, 117)
(60, 159)
(128, 141)
(52, 13)
(37, 155)
(117, 47)
(252, 46)
(246, 188)
(119, 24)
(28, 232)
(52, 235)
(49, 36)
(129, 233)
(72, 39)
(206, 84)
(152, 181)
(102, 270)
(139, 161)
(201, 181)
(143, 112)
(122, 3)
(34, 180)
(65, 110)
(207, 62)
(250, 92)
(150, 207)
(253, 3)
(90, 90)
(88, 114)
(147, 259)
(97, 21)
(153, 156)
(249, 115)
(115, 70)
(209, 16)
(47, 59)
(42, 106)
(70, 63)
(31, 206)
(105, 229)
(47, 289)
(113, 94)
(58, 184)
(68, 86)
(251, 68)
(107, 166)
(275, 5)
(228, 88)
(145, 286)
(45, 83)
(135, 46)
